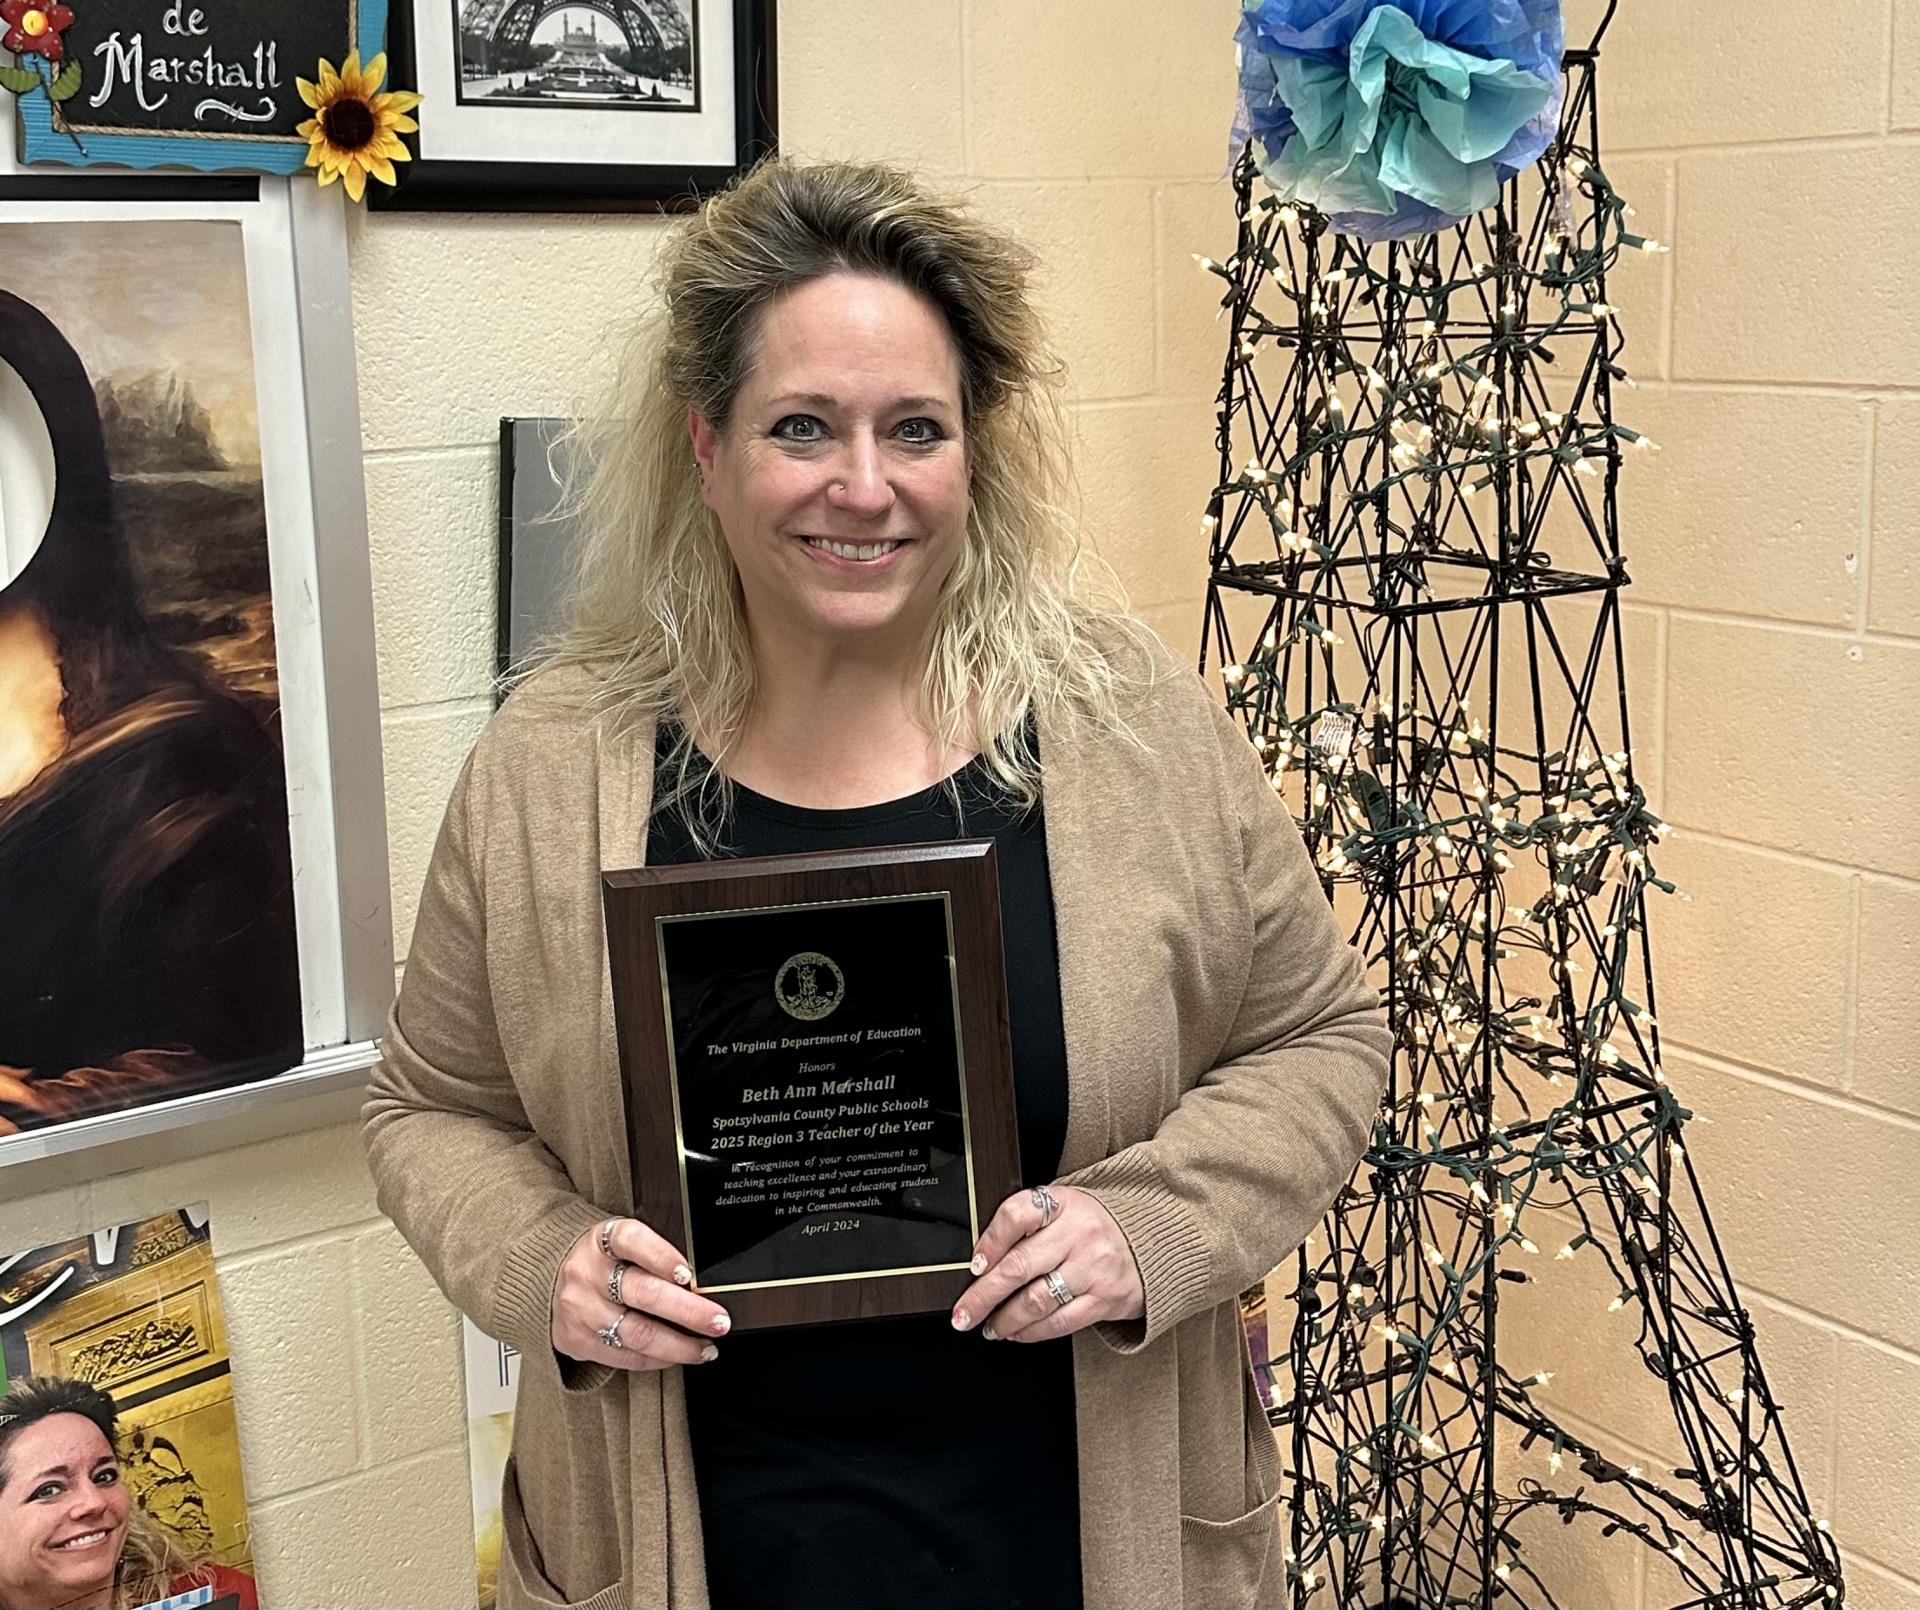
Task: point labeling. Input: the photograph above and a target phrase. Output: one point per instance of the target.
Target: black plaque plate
(819, 1087)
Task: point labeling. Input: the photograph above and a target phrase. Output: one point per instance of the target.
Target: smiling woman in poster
(71, 1535)
(831, 597)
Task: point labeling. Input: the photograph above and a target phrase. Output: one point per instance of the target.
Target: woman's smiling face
(841, 480)
(63, 1513)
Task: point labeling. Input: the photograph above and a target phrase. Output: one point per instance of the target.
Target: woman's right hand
(661, 1323)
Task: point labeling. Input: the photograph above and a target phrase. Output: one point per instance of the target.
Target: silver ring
(1062, 1292)
(610, 1335)
(613, 1283)
(1046, 1202)
(606, 1237)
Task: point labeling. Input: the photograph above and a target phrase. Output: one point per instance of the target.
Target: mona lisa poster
(144, 856)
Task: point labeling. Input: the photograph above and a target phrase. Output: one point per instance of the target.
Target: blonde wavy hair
(156, 1563)
(1028, 624)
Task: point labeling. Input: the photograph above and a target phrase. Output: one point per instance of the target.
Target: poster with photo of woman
(120, 1479)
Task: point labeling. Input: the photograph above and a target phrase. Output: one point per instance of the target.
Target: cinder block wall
(1777, 580)
(1775, 553)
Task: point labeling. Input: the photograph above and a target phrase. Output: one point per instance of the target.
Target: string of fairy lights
(1409, 425)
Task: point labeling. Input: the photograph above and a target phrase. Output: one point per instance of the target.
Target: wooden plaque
(819, 1082)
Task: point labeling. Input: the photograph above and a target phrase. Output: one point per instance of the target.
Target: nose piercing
(838, 486)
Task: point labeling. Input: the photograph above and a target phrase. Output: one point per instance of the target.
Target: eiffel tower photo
(1415, 609)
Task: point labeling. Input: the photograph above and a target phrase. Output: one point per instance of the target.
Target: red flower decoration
(34, 27)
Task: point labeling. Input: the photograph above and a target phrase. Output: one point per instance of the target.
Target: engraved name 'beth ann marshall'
(826, 1087)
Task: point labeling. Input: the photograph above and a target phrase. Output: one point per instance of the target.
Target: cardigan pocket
(522, 1584)
(1223, 1564)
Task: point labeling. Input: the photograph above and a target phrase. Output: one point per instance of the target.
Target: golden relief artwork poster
(119, 1447)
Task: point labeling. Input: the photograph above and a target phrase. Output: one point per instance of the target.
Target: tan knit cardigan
(1225, 1057)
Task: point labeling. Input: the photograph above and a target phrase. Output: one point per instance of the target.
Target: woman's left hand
(1081, 1246)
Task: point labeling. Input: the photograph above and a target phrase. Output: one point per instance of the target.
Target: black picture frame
(561, 186)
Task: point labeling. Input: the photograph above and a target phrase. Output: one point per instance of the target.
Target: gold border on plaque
(673, 1081)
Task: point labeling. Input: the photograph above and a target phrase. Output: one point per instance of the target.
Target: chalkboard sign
(195, 83)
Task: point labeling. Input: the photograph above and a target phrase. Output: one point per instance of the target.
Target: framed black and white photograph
(640, 57)
(580, 105)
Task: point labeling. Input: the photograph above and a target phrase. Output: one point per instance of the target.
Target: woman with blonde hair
(71, 1536)
(831, 595)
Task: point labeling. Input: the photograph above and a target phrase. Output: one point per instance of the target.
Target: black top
(897, 1461)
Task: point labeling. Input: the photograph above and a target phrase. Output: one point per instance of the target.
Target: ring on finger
(610, 1335)
(1046, 1202)
(614, 1278)
(1057, 1285)
(606, 1237)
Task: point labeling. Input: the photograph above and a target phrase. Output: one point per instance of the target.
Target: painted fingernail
(720, 1324)
(987, 1331)
(709, 1353)
(682, 1275)
(961, 1319)
(979, 1264)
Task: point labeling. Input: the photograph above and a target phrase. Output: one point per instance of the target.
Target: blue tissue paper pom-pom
(1397, 119)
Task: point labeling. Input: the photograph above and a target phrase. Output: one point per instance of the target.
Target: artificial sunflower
(354, 130)
(34, 27)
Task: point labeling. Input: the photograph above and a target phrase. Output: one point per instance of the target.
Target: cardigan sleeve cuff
(1165, 1236)
(523, 1300)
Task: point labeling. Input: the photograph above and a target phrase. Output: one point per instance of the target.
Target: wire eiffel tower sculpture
(1440, 698)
